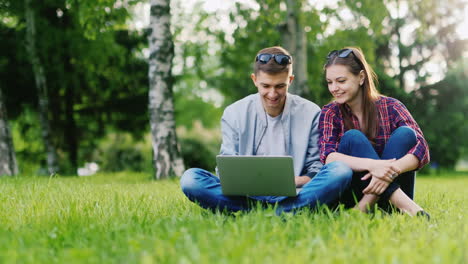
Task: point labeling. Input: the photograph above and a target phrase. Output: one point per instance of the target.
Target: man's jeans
(355, 143)
(324, 188)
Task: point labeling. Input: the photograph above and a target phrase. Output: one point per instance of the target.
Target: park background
(94, 61)
(80, 86)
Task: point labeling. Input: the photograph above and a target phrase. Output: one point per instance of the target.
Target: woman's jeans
(325, 187)
(355, 143)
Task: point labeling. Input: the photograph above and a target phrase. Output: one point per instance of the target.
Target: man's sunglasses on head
(281, 59)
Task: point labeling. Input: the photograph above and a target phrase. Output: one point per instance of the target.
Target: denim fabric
(325, 188)
(355, 143)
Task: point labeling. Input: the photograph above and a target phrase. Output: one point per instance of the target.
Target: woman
(375, 135)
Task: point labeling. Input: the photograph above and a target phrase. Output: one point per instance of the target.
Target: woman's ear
(362, 77)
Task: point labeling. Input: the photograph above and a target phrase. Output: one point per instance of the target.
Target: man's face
(273, 89)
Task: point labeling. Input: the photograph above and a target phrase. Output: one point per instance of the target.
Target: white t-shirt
(273, 143)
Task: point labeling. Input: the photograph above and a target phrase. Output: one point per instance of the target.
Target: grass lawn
(127, 218)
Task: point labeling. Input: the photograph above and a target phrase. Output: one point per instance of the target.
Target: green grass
(127, 218)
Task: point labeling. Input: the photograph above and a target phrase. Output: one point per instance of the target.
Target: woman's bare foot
(404, 203)
(366, 202)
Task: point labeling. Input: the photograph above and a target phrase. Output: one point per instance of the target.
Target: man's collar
(286, 110)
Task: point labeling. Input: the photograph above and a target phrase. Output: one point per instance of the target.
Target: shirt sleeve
(312, 160)
(230, 135)
(403, 118)
(329, 129)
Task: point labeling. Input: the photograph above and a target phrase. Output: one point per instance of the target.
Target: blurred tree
(421, 32)
(254, 29)
(41, 86)
(195, 64)
(95, 69)
(295, 41)
(167, 159)
(441, 110)
(8, 164)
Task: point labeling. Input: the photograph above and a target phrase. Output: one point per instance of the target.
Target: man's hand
(301, 180)
(385, 170)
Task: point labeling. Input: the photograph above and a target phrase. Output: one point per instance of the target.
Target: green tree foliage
(383, 29)
(421, 32)
(94, 67)
(97, 71)
(441, 110)
(253, 31)
(195, 67)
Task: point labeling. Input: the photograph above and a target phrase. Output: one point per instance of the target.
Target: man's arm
(312, 163)
(230, 135)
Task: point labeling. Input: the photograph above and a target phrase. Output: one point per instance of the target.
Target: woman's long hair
(355, 62)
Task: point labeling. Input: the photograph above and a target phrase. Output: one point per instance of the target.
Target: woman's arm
(356, 164)
(421, 150)
(382, 172)
(379, 168)
(408, 162)
(377, 185)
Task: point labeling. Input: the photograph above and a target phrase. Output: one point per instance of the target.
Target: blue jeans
(355, 143)
(324, 188)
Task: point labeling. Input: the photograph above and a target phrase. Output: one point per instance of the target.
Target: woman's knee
(354, 136)
(405, 134)
(400, 142)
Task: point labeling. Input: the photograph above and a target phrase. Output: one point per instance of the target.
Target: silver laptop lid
(256, 175)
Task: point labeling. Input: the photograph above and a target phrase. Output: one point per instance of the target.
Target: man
(272, 122)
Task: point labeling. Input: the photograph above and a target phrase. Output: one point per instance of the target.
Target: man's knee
(189, 180)
(340, 172)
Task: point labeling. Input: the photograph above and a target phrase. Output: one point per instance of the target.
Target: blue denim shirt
(244, 123)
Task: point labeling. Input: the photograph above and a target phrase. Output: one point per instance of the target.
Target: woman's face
(344, 85)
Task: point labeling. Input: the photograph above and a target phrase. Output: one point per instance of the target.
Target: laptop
(256, 175)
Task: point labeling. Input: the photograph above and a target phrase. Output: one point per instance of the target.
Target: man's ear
(254, 78)
(291, 78)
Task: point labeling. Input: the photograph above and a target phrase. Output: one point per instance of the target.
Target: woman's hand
(376, 186)
(385, 170)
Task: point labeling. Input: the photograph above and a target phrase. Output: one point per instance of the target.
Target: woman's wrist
(370, 164)
(398, 166)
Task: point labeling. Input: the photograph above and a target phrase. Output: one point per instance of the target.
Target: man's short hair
(272, 67)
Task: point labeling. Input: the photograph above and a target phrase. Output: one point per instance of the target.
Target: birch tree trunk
(294, 40)
(8, 165)
(167, 160)
(41, 87)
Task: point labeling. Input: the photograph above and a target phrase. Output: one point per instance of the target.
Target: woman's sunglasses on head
(281, 59)
(343, 53)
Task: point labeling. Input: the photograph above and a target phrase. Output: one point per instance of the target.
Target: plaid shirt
(392, 114)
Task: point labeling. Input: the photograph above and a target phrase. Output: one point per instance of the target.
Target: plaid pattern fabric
(392, 114)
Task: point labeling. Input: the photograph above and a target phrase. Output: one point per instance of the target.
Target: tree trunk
(167, 160)
(402, 71)
(294, 40)
(71, 137)
(41, 86)
(8, 164)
